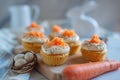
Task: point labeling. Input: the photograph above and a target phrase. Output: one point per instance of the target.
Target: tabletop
(113, 46)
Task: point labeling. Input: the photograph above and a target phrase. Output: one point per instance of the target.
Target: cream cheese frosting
(71, 39)
(55, 49)
(93, 46)
(32, 39)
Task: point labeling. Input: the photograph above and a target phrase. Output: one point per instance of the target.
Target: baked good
(55, 52)
(34, 27)
(56, 32)
(94, 49)
(32, 41)
(71, 38)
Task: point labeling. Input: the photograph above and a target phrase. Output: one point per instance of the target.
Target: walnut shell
(26, 67)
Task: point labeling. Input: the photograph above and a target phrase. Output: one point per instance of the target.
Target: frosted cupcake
(32, 41)
(34, 27)
(94, 49)
(55, 52)
(56, 32)
(71, 38)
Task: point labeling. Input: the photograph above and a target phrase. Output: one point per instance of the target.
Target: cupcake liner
(35, 47)
(74, 48)
(54, 59)
(93, 55)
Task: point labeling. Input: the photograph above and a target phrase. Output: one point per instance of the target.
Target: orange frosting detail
(68, 33)
(57, 42)
(34, 25)
(95, 39)
(36, 34)
(56, 28)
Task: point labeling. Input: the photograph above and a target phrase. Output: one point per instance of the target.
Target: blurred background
(107, 13)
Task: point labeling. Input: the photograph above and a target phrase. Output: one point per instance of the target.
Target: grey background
(107, 13)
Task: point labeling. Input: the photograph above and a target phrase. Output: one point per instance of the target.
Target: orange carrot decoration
(34, 25)
(57, 42)
(95, 39)
(56, 28)
(68, 33)
(36, 34)
(87, 71)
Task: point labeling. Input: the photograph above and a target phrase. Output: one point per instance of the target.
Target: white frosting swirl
(55, 49)
(93, 46)
(71, 39)
(31, 39)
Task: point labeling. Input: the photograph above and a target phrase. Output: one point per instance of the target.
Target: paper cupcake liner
(74, 48)
(94, 55)
(35, 47)
(54, 59)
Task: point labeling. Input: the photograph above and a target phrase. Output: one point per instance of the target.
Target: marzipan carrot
(88, 71)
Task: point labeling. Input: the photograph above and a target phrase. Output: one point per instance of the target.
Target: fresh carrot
(88, 70)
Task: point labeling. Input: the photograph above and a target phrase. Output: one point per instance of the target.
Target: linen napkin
(7, 43)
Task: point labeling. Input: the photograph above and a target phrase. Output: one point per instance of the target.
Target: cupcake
(71, 38)
(32, 41)
(56, 32)
(55, 52)
(94, 49)
(34, 27)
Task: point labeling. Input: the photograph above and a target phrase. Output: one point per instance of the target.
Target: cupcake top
(55, 46)
(34, 36)
(56, 31)
(34, 27)
(94, 44)
(70, 36)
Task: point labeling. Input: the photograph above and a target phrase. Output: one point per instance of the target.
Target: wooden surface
(54, 72)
